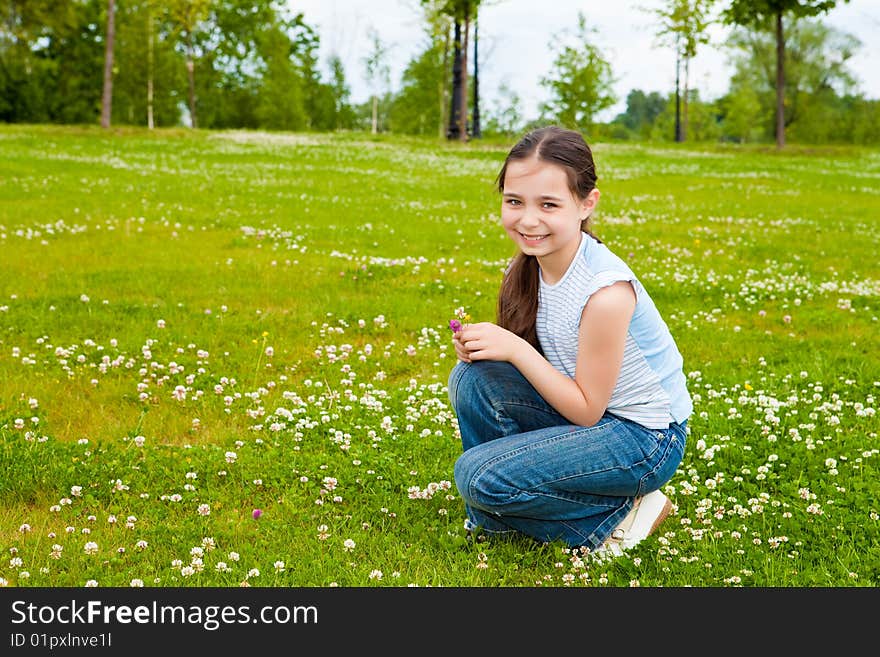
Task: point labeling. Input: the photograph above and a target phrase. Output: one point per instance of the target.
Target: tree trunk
(684, 120)
(677, 93)
(375, 126)
(150, 123)
(475, 128)
(455, 109)
(444, 82)
(191, 75)
(107, 94)
(463, 118)
(780, 83)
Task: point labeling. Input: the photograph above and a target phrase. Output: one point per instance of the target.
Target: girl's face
(541, 215)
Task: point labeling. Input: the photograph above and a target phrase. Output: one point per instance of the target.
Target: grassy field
(223, 359)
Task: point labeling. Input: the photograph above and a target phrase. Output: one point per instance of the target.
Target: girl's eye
(512, 201)
(549, 205)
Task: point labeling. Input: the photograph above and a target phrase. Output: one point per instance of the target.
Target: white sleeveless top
(651, 388)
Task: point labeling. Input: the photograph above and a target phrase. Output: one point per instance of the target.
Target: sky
(517, 44)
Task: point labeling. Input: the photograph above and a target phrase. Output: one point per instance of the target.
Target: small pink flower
(257, 513)
(454, 325)
(787, 319)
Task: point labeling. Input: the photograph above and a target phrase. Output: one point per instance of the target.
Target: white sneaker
(648, 512)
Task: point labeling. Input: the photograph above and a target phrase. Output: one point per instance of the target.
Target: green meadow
(223, 359)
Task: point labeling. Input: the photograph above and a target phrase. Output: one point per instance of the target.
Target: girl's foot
(648, 513)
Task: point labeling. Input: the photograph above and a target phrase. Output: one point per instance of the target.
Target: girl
(573, 407)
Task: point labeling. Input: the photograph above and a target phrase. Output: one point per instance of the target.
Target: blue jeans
(526, 469)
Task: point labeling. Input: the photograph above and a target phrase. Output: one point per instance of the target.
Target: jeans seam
(453, 386)
(659, 464)
(524, 404)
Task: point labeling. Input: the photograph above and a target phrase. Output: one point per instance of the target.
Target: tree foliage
(816, 64)
(683, 25)
(230, 63)
(255, 64)
(580, 85)
(756, 13)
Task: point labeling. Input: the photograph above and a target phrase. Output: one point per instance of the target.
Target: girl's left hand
(488, 341)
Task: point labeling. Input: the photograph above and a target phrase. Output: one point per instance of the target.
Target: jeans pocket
(670, 449)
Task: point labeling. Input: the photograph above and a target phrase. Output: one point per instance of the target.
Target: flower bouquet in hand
(461, 318)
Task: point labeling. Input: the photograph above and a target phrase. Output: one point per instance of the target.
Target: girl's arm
(601, 339)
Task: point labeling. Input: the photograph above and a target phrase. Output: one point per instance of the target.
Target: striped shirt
(651, 388)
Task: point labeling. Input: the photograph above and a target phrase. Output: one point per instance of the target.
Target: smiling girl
(573, 407)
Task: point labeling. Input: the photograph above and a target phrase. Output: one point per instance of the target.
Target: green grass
(137, 263)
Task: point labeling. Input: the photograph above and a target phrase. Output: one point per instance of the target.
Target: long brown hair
(518, 296)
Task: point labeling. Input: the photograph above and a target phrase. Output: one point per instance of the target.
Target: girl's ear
(589, 203)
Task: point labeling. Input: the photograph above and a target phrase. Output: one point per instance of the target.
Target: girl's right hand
(460, 351)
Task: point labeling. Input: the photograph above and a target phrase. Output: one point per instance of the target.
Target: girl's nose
(530, 218)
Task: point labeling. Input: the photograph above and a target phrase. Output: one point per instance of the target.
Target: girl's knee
(461, 473)
(465, 474)
(454, 381)
(479, 484)
(476, 379)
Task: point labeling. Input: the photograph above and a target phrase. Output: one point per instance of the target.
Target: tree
(280, 97)
(755, 13)
(414, 109)
(151, 58)
(641, 111)
(377, 73)
(110, 40)
(149, 79)
(188, 14)
(683, 24)
(741, 109)
(581, 83)
(343, 113)
(51, 55)
(462, 13)
(475, 114)
(506, 115)
(816, 60)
